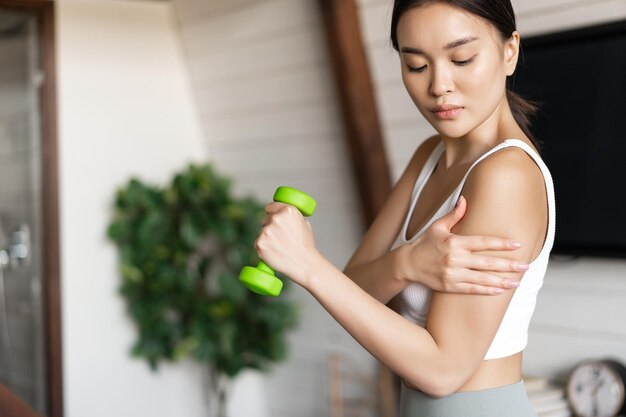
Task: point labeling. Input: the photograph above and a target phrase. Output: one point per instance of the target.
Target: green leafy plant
(181, 248)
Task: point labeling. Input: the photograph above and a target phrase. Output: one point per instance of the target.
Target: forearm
(381, 278)
(404, 347)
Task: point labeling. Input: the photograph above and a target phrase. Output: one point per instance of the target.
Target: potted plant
(180, 249)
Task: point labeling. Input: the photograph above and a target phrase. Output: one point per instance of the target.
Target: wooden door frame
(353, 83)
(44, 12)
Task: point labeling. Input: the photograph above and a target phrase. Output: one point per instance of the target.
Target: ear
(511, 52)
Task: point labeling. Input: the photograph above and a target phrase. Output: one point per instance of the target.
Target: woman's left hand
(286, 243)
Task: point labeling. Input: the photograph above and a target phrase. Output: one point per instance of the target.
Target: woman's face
(471, 75)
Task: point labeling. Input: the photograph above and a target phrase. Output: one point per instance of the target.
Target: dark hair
(500, 14)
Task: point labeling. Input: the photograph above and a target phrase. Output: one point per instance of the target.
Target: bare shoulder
(510, 167)
(506, 197)
(512, 171)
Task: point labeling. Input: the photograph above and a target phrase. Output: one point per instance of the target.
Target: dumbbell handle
(262, 279)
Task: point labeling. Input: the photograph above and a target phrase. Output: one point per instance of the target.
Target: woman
(457, 351)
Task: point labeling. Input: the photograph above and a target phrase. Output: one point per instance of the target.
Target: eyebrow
(451, 45)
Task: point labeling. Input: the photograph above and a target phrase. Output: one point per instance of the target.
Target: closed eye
(420, 69)
(459, 63)
(468, 61)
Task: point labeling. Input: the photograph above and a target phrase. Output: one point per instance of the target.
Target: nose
(441, 82)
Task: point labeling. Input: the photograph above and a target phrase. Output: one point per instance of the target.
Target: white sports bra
(512, 335)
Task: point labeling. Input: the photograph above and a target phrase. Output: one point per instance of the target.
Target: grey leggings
(506, 401)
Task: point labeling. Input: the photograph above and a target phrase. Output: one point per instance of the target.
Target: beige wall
(125, 109)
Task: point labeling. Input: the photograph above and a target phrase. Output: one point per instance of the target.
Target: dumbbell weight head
(300, 200)
(261, 279)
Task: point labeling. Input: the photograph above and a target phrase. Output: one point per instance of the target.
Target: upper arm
(383, 230)
(506, 197)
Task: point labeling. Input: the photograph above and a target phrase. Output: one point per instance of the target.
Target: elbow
(454, 378)
(432, 388)
(440, 389)
(438, 385)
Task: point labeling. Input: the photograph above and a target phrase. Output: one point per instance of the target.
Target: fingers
(274, 206)
(481, 283)
(493, 263)
(268, 217)
(452, 218)
(481, 243)
(465, 288)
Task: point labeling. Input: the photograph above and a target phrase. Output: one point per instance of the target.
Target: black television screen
(579, 79)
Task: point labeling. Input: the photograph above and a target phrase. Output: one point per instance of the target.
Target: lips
(445, 107)
(447, 111)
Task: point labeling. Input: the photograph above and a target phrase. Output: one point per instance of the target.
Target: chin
(450, 131)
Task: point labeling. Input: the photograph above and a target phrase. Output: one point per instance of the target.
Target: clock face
(595, 390)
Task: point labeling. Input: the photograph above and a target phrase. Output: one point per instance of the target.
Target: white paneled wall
(267, 104)
(266, 98)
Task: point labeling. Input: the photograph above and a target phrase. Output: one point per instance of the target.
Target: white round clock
(597, 388)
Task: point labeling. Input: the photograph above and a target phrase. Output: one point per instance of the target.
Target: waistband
(505, 401)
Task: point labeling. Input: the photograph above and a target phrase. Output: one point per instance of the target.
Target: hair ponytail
(523, 110)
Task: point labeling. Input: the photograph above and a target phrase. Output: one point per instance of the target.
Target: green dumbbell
(261, 279)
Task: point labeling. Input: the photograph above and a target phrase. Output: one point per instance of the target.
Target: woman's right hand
(444, 261)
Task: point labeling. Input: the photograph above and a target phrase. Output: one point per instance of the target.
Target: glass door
(22, 338)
